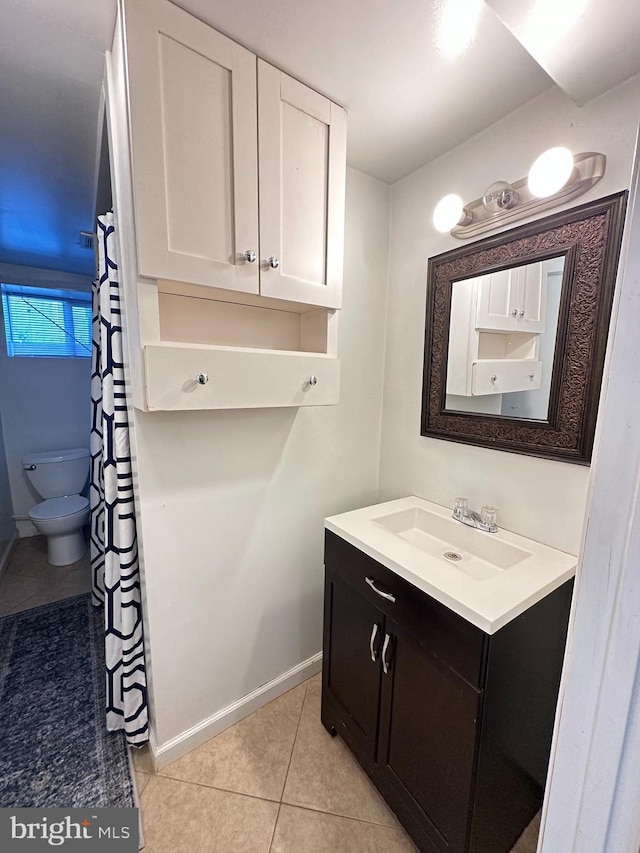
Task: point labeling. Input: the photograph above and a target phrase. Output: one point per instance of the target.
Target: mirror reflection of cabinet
(556, 421)
(512, 300)
(496, 325)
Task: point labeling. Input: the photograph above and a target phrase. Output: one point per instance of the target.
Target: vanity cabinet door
(496, 307)
(353, 639)
(428, 732)
(532, 299)
(193, 114)
(302, 163)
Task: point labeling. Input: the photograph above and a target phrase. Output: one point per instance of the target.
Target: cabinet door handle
(385, 663)
(389, 596)
(372, 649)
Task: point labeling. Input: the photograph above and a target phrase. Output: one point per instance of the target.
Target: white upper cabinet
(192, 98)
(513, 300)
(207, 128)
(496, 301)
(532, 305)
(302, 156)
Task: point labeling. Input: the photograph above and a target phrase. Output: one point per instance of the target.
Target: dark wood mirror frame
(589, 237)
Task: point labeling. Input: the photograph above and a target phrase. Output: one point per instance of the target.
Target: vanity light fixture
(556, 177)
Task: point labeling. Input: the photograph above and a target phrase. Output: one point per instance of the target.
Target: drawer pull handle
(389, 596)
(372, 649)
(202, 379)
(385, 662)
(313, 380)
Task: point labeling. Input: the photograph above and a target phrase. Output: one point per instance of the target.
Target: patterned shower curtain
(114, 550)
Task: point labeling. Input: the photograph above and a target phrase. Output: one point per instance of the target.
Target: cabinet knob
(274, 263)
(494, 377)
(521, 313)
(514, 313)
(313, 380)
(250, 257)
(202, 378)
(532, 376)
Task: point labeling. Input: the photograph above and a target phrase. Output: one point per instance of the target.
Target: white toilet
(59, 477)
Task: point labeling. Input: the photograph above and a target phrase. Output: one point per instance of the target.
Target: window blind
(46, 323)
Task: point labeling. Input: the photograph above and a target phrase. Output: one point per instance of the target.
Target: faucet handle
(489, 516)
(460, 508)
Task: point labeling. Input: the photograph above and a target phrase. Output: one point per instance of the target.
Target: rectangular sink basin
(478, 554)
(487, 578)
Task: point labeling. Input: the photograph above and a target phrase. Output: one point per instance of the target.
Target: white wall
(231, 507)
(45, 402)
(539, 498)
(7, 525)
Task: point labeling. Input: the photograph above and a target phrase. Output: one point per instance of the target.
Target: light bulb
(550, 172)
(448, 212)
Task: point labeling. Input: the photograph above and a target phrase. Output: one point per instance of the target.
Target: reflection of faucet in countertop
(483, 520)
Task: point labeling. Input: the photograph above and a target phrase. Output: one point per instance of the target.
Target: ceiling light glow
(550, 172)
(448, 212)
(457, 26)
(551, 20)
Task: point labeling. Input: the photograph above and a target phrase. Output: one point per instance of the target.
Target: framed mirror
(516, 332)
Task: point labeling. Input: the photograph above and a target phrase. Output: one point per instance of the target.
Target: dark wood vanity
(453, 725)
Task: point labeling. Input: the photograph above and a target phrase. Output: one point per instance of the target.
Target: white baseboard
(5, 554)
(26, 528)
(212, 726)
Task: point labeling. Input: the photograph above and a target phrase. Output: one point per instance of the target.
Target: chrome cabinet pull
(389, 596)
(202, 378)
(249, 256)
(374, 634)
(273, 263)
(385, 647)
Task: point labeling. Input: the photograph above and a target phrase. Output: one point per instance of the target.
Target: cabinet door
(532, 298)
(302, 159)
(354, 631)
(496, 302)
(192, 101)
(427, 743)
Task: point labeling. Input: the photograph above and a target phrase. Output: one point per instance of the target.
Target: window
(48, 323)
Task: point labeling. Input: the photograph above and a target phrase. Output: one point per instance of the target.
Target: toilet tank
(58, 473)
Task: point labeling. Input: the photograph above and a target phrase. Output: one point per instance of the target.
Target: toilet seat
(52, 508)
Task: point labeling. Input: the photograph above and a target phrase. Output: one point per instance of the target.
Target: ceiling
(418, 77)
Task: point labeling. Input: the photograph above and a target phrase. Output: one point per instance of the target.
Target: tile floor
(30, 581)
(276, 782)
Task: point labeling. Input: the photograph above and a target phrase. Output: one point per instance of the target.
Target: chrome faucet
(483, 520)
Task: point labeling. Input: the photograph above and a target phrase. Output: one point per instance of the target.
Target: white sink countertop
(487, 578)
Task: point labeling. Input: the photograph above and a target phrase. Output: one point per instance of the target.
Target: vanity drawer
(455, 641)
(502, 376)
(237, 378)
